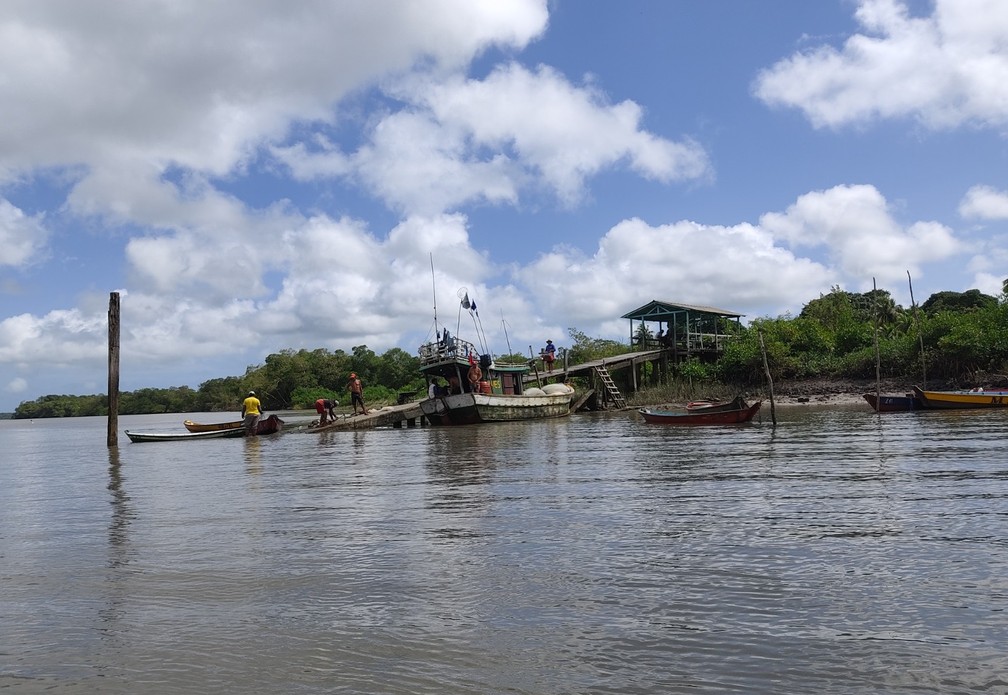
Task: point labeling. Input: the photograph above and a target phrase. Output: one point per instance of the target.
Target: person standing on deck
(549, 354)
(251, 411)
(475, 374)
(356, 393)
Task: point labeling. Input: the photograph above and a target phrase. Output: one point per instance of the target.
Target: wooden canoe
(269, 425)
(181, 436)
(701, 417)
(893, 404)
(737, 403)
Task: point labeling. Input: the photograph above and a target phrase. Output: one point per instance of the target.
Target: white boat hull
(472, 408)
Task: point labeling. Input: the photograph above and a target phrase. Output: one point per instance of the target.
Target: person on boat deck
(324, 407)
(453, 385)
(447, 341)
(474, 376)
(549, 354)
(251, 411)
(356, 394)
(435, 389)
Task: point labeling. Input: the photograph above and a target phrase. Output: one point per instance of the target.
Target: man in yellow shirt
(251, 410)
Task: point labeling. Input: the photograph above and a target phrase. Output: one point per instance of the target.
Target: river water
(840, 552)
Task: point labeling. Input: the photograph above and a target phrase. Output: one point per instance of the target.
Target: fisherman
(251, 411)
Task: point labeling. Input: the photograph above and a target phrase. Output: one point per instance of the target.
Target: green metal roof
(657, 310)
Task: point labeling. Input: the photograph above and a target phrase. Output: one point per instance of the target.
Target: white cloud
(945, 69)
(564, 133)
(984, 202)
(22, 237)
(485, 140)
(737, 268)
(200, 86)
(854, 224)
(17, 385)
(59, 337)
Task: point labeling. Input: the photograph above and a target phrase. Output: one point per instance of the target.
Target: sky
(254, 176)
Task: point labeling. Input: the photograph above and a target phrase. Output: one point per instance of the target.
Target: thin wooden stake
(766, 368)
(920, 334)
(878, 359)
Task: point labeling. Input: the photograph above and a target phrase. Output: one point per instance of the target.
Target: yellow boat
(939, 400)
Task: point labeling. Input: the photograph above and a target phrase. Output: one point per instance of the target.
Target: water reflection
(839, 552)
(122, 513)
(120, 553)
(253, 455)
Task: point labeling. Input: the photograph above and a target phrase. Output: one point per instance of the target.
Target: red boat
(737, 403)
(703, 416)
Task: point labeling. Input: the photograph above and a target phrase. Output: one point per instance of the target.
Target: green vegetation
(964, 336)
(288, 379)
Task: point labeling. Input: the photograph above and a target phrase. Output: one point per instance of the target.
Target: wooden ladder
(610, 386)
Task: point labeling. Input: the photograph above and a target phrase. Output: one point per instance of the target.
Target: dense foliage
(952, 336)
(288, 379)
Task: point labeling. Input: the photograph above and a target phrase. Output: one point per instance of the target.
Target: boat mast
(433, 291)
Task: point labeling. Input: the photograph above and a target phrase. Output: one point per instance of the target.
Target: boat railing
(438, 350)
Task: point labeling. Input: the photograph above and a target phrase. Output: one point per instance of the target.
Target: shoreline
(823, 392)
(833, 392)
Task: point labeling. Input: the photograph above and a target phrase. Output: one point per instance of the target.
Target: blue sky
(255, 177)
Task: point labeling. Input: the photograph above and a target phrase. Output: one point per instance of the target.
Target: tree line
(286, 380)
(951, 337)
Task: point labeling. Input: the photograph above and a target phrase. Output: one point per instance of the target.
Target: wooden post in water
(878, 359)
(920, 334)
(113, 369)
(766, 368)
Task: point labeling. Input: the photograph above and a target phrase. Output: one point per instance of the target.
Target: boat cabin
(449, 361)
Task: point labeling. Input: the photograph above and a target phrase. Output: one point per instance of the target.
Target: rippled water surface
(840, 552)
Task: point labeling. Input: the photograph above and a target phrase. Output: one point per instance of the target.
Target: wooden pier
(394, 415)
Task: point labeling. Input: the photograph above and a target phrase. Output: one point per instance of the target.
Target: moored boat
(736, 403)
(269, 425)
(893, 404)
(182, 436)
(701, 416)
(946, 400)
(499, 395)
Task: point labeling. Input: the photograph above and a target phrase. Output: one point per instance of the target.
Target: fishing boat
(701, 416)
(499, 395)
(182, 436)
(269, 425)
(893, 404)
(476, 388)
(946, 400)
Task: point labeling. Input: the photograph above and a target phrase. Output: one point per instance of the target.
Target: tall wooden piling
(766, 368)
(113, 369)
